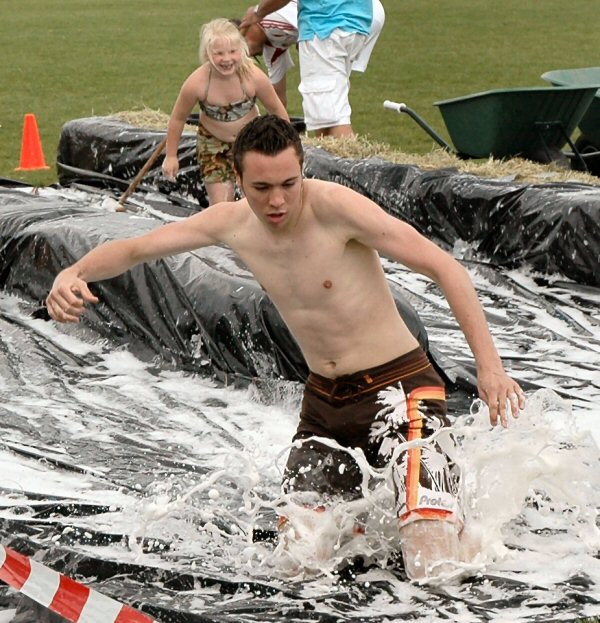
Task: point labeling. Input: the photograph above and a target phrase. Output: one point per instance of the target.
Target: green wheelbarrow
(533, 123)
(588, 142)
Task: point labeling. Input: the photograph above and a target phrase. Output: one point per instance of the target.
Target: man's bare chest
(299, 270)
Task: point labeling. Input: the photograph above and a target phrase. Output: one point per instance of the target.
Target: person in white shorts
(360, 64)
(333, 41)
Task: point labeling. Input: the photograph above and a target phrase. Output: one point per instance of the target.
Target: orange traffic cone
(32, 154)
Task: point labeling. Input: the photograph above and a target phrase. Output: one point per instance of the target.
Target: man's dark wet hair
(268, 135)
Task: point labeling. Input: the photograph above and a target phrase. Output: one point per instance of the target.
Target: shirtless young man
(314, 246)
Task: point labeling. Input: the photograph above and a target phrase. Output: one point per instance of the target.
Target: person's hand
(249, 19)
(67, 299)
(170, 167)
(501, 394)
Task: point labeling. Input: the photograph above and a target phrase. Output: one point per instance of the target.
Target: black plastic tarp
(115, 151)
(553, 228)
(203, 311)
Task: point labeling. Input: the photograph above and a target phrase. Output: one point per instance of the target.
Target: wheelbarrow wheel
(585, 146)
(547, 155)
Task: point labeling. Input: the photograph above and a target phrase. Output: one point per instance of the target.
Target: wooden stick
(138, 178)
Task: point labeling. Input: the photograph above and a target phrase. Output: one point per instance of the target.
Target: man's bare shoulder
(323, 192)
(222, 220)
(354, 216)
(225, 212)
(333, 200)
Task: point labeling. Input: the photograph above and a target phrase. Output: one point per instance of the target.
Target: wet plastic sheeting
(110, 147)
(550, 227)
(106, 438)
(89, 446)
(201, 310)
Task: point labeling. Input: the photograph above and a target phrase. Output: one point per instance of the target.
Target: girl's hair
(221, 28)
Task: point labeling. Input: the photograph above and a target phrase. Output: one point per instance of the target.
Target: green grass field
(67, 59)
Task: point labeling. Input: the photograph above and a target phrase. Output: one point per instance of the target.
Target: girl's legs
(220, 191)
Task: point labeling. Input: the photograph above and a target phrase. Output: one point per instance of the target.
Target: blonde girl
(227, 86)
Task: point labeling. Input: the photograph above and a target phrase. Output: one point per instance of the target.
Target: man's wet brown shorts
(376, 410)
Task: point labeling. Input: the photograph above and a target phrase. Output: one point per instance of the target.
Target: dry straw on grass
(516, 169)
(361, 147)
(148, 118)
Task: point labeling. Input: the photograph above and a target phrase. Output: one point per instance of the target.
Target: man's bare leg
(337, 131)
(281, 90)
(429, 547)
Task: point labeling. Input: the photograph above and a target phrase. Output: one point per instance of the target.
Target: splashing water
(529, 490)
(540, 476)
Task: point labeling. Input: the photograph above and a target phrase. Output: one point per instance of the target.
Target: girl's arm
(186, 100)
(266, 93)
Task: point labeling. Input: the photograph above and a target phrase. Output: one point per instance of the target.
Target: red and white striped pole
(70, 599)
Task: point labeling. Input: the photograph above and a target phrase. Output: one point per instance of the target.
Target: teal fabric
(321, 17)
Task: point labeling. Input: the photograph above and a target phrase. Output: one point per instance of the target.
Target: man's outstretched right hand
(68, 297)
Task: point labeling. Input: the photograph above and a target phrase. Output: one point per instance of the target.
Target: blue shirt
(322, 17)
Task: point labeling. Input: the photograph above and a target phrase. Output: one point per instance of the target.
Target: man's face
(273, 187)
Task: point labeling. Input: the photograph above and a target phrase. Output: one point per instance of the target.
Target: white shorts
(360, 64)
(278, 62)
(281, 30)
(325, 66)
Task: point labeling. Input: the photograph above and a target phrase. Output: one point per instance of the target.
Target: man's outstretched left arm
(402, 242)
(496, 388)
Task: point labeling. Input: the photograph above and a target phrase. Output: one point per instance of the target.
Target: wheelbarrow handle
(420, 121)
(394, 106)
